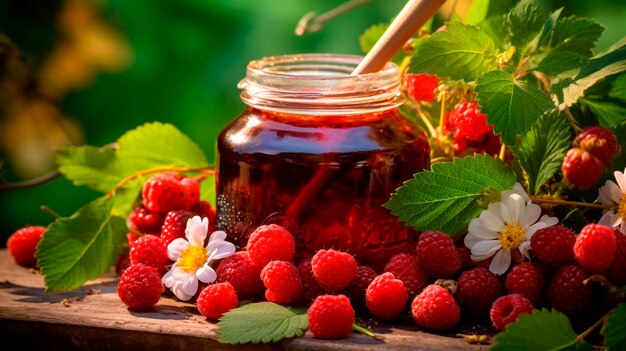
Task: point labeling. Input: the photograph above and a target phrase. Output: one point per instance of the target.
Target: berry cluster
(593, 149)
(469, 130)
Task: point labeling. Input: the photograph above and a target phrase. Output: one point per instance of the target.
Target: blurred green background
(100, 68)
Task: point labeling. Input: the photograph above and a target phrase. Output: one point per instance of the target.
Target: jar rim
(320, 84)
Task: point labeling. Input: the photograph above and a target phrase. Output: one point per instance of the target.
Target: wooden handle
(410, 19)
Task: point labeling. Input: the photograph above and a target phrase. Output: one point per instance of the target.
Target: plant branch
(540, 200)
(426, 120)
(31, 182)
(155, 170)
(312, 22)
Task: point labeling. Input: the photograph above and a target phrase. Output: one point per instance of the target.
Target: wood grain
(36, 319)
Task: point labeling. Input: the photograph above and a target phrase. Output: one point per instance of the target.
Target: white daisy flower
(504, 226)
(193, 259)
(612, 194)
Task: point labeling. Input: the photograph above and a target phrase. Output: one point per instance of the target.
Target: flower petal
(189, 286)
(196, 230)
(513, 206)
(224, 250)
(544, 222)
(478, 229)
(501, 262)
(206, 274)
(179, 291)
(621, 180)
(610, 219)
(175, 247)
(491, 220)
(486, 247)
(530, 215)
(610, 193)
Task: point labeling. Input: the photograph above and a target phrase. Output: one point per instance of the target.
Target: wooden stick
(410, 19)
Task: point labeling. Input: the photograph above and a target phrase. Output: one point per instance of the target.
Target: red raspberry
(525, 279)
(478, 288)
(465, 255)
(554, 245)
(466, 122)
(204, 209)
(271, 242)
(331, 317)
(123, 262)
(506, 309)
(309, 284)
(174, 225)
(362, 279)
(581, 169)
(437, 253)
(168, 191)
(408, 269)
(282, 281)
(216, 299)
(333, 269)
(599, 141)
(421, 87)
(150, 250)
(386, 296)
(435, 308)
(131, 238)
(242, 274)
(140, 287)
(145, 221)
(595, 247)
(22, 245)
(617, 271)
(567, 291)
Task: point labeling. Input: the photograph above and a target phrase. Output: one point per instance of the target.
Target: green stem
(363, 330)
(537, 199)
(50, 211)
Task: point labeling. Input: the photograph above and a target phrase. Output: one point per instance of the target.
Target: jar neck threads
(319, 84)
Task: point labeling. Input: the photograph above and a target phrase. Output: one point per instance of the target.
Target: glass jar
(318, 151)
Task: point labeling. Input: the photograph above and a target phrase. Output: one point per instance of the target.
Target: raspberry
(386, 296)
(174, 225)
(437, 253)
(567, 291)
(421, 87)
(525, 279)
(599, 141)
(309, 284)
(216, 299)
(150, 250)
(466, 122)
(478, 288)
(22, 245)
(408, 269)
(145, 221)
(331, 317)
(168, 191)
(465, 255)
(242, 274)
(506, 309)
(595, 247)
(140, 287)
(581, 169)
(435, 308)
(123, 262)
(554, 245)
(203, 209)
(131, 238)
(333, 270)
(282, 281)
(617, 271)
(362, 279)
(270, 242)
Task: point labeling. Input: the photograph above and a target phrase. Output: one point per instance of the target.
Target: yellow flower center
(621, 208)
(512, 236)
(192, 258)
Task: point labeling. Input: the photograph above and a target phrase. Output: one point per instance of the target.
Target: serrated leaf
(512, 106)
(82, 246)
(542, 149)
(546, 32)
(608, 113)
(524, 23)
(89, 165)
(477, 11)
(575, 35)
(261, 322)
(462, 52)
(614, 329)
(444, 198)
(541, 330)
(608, 63)
(618, 88)
(558, 62)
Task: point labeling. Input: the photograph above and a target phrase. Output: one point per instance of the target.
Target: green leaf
(512, 106)
(575, 35)
(261, 322)
(614, 329)
(575, 220)
(89, 165)
(370, 37)
(207, 190)
(462, 52)
(445, 198)
(524, 23)
(608, 113)
(477, 11)
(610, 62)
(542, 149)
(541, 330)
(618, 88)
(82, 246)
(559, 62)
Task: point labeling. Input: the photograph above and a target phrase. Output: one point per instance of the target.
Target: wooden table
(93, 318)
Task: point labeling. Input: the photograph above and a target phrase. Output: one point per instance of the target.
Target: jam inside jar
(319, 152)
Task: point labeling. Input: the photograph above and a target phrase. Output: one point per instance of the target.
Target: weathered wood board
(93, 318)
